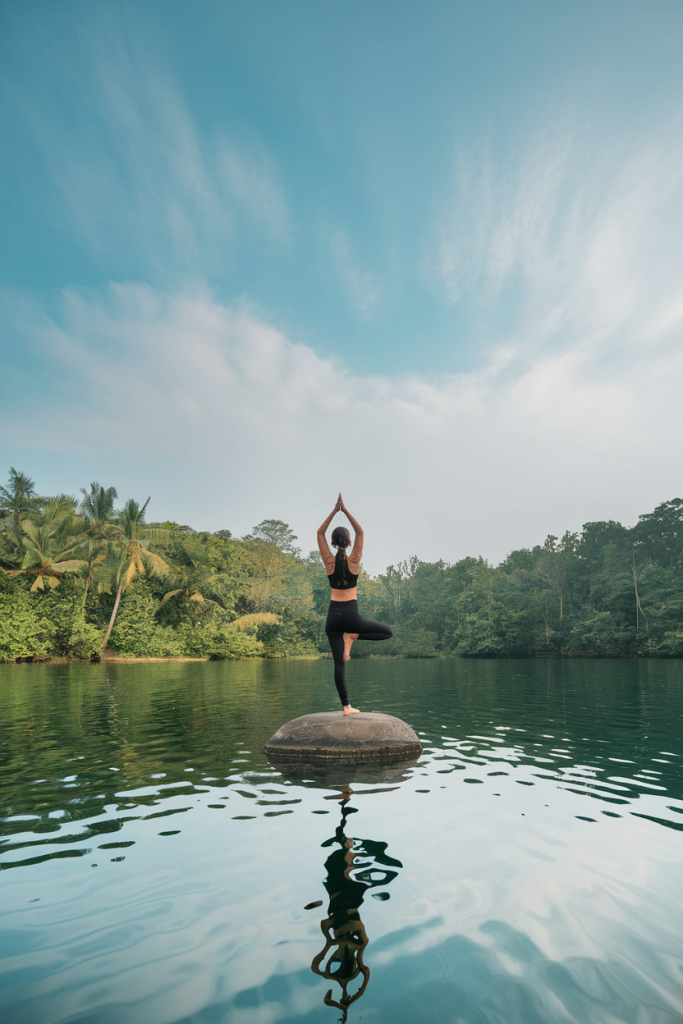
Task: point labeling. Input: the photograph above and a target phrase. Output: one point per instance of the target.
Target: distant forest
(81, 576)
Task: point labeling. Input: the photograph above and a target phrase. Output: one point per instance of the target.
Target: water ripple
(516, 892)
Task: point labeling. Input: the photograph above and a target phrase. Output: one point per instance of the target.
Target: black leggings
(343, 618)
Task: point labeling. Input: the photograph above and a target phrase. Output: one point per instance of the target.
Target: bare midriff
(344, 595)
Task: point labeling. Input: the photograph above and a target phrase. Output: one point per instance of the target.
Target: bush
(420, 643)
(670, 647)
(476, 638)
(24, 633)
(136, 632)
(284, 639)
(85, 640)
(72, 636)
(604, 636)
(44, 625)
(219, 641)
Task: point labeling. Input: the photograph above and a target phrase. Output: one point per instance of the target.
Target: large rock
(332, 737)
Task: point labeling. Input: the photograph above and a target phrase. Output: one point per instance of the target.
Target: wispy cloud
(577, 233)
(143, 185)
(477, 462)
(362, 288)
(252, 178)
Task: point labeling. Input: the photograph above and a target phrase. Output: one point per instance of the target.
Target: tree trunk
(547, 625)
(639, 607)
(562, 582)
(87, 588)
(113, 617)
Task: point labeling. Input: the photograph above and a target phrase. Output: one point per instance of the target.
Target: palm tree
(195, 571)
(49, 552)
(18, 500)
(97, 510)
(59, 512)
(134, 557)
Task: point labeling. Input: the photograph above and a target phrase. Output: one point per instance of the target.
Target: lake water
(528, 869)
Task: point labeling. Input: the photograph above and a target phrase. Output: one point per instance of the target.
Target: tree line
(81, 576)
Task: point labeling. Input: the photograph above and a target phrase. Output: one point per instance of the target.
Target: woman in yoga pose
(344, 624)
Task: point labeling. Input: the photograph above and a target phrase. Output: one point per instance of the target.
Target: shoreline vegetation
(83, 579)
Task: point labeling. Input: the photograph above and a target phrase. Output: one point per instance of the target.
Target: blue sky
(431, 254)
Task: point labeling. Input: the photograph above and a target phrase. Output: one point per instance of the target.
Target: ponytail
(341, 539)
(341, 564)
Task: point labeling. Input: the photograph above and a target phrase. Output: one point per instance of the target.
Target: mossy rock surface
(331, 736)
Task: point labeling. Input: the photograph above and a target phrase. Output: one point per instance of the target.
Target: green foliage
(136, 631)
(603, 636)
(420, 643)
(39, 626)
(671, 646)
(608, 591)
(276, 534)
(128, 553)
(659, 534)
(17, 501)
(284, 639)
(219, 641)
(71, 635)
(24, 633)
(71, 571)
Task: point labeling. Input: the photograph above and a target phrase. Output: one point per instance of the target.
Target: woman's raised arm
(323, 546)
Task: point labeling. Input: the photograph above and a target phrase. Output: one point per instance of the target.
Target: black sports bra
(342, 578)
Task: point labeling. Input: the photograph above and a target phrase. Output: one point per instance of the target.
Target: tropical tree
(60, 514)
(49, 554)
(132, 556)
(17, 501)
(273, 558)
(194, 574)
(660, 533)
(277, 534)
(100, 530)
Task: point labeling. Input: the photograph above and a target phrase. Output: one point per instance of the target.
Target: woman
(344, 624)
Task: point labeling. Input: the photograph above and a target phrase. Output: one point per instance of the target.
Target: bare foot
(348, 641)
(348, 710)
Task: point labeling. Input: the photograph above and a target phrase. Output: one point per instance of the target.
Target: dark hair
(341, 538)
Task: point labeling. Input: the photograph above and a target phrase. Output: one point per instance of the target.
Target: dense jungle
(85, 578)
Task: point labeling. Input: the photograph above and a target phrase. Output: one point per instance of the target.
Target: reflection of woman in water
(343, 927)
(344, 625)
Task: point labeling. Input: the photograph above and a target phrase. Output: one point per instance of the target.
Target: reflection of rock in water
(351, 871)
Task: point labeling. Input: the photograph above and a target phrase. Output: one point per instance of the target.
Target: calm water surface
(155, 868)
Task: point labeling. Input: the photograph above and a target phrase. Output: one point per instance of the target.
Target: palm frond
(20, 492)
(128, 575)
(57, 508)
(158, 565)
(70, 565)
(256, 619)
(97, 507)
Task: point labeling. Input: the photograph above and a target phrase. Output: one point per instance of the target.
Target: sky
(428, 254)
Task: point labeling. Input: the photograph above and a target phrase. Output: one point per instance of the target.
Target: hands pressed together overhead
(339, 506)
